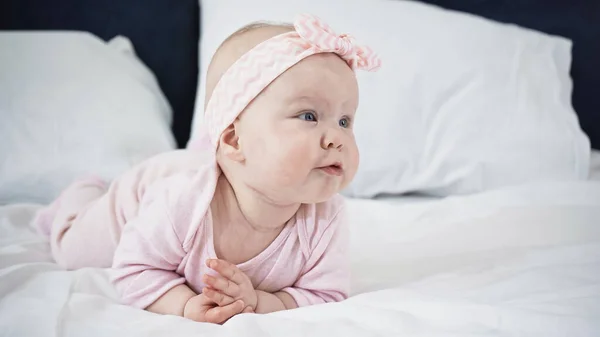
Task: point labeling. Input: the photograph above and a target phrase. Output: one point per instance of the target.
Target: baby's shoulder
(181, 164)
(320, 222)
(165, 163)
(185, 188)
(184, 195)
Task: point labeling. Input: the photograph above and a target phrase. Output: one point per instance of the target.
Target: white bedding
(519, 261)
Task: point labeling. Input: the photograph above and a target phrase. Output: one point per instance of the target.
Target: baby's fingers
(227, 270)
(221, 314)
(217, 297)
(221, 284)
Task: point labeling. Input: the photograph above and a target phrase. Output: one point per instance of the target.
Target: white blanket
(522, 261)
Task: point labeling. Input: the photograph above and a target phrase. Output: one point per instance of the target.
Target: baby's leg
(83, 232)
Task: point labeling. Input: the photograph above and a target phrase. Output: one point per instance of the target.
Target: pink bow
(321, 36)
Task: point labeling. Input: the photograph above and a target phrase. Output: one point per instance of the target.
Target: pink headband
(257, 68)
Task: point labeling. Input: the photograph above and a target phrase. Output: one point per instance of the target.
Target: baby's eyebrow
(320, 103)
(310, 98)
(350, 105)
(304, 98)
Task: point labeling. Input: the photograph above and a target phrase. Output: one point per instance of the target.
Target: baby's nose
(332, 139)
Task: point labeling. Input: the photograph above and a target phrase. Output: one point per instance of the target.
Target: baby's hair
(257, 25)
(254, 26)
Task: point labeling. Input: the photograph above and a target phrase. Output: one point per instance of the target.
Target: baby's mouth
(334, 169)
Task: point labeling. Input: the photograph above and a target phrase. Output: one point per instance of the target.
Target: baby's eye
(344, 122)
(308, 116)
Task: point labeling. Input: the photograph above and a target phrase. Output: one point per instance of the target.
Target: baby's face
(297, 135)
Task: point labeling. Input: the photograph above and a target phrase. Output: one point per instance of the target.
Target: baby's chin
(305, 196)
(324, 194)
(320, 197)
(313, 191)
(316, 200)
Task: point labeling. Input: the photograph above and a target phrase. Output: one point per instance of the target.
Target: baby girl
(248, 219)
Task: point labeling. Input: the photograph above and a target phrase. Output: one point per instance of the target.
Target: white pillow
(461, 104)
(71, 105)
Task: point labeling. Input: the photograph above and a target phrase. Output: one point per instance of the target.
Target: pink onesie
(156, 228)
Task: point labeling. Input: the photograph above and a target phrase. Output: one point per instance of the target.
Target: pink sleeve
(326, 277)
(149, 251)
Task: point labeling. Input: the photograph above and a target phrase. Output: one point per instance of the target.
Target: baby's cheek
(293, 164)
(353, 160)
(354, 157)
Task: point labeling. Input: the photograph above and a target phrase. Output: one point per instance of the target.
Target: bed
(520, 261)
(503, 259)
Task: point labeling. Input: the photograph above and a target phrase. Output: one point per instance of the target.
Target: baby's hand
(229, 286)
(200, 308)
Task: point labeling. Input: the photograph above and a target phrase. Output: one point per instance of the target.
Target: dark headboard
(165, 35)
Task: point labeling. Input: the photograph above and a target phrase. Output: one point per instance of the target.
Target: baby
(249, 218)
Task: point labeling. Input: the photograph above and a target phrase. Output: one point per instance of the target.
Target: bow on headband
(257, 68)
(320, 35)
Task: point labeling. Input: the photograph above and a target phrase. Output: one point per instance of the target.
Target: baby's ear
(231, 145)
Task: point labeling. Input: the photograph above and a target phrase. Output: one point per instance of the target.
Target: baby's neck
(245, 209)
(244, 223)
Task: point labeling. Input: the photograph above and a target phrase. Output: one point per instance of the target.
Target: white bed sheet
(519, 261)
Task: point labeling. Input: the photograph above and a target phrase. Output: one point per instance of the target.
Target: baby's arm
(148, 255)
(182, 301)
(268, 302)
(173, 302)
(326, 276)
(146, 260)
